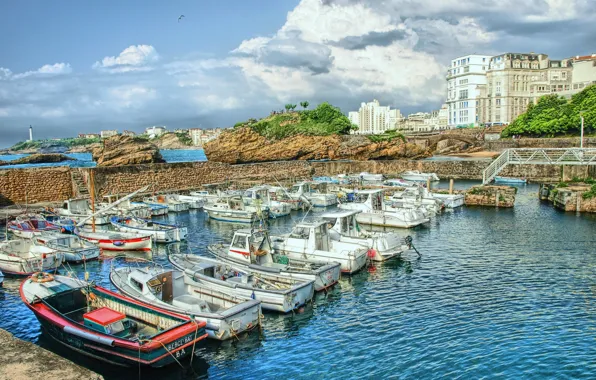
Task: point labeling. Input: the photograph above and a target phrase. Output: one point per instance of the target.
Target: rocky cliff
(126, 150)
(38, 159)
(243, 145)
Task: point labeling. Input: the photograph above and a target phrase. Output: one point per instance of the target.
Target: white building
(584, 72)
(463, 78)
(421, 122)
(155, 131)
(372, 118)
(201, 136)
(108, 133)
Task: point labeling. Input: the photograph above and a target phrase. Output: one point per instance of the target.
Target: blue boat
(511, 180)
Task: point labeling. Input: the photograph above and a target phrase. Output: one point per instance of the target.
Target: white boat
(74, 249)
(226, 316)
(194, 203)
(161, 232)
(260, 196)
(116, 241)
(344, 227)
(398, 182)
(415, 175)
(417, 197)
(368, 177)
(154, 209)
(28, 226)
(205, 196)
(311, 191)
(167, 200)
(80, 209)
(310, 241)
(280, 194)
(251, 250)
(276, 293)
(233, 209)
(511, 180)
(451, 200)
(373, 211)
(24, 257)
(140, 210)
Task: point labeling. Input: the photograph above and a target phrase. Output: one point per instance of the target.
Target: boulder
(38, 159)
(126, 150)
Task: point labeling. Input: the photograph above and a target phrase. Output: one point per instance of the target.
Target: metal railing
(539, 156)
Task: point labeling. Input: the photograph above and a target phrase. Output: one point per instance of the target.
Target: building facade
(584, 72)
(464, 77)
(372, 118)
(201, 136)
(128, 133)
(108, 133)
(422, 122)
(155, 131)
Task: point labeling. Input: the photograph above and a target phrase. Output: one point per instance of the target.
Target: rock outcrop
(38, 159)
(126, 150)
(243, 145)
(577, 197)
(494, 196)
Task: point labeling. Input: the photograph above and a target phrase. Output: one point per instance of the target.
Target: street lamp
(581, 141)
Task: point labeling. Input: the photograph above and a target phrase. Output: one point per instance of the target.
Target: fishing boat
(416, 197)
(276, 293)
(226, 316)
(167, 200)
(260, 196)
(194, 203)
(108, 326)
(24, 257)
(233, 209)
(205, 196)
(398, 182)
(314, 193)
(368, 177)
(28, 226)
(140, 210)
(373, 211)
(510, 180)
(415, 175)
(344, 227)
(251, 250)
(154, 209)
(326, 179)
(80, 209)
(116, 241)
(280, 194)
(310, 241)
(161, 232)
(74, 249)
(450, 201)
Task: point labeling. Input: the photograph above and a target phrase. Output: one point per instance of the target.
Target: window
(483, 67)
(239, 242)
(136, 284)
(483, 59)
(498, 102)
(463, 94)
(467, 69)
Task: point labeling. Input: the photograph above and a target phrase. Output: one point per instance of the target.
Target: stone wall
(35, 185)
(569, 142)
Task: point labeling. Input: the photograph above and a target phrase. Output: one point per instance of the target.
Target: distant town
(196, 136)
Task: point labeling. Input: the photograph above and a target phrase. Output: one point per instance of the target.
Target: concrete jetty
(23, 360)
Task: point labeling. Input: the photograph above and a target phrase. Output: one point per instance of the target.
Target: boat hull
(231, 216)
(517, 181)
(451, 200)
(388, 220)
(170, 235)
(142, 243)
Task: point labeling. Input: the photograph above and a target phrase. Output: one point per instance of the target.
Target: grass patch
(388, 135)
(590, 194)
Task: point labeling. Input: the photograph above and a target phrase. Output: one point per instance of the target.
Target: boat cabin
(250, 247)
(108, 321)
(257, 193)
(309, 237)
(343, 222)
(371, 198)
(77, 206)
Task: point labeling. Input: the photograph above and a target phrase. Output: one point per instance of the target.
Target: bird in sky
(180, 18)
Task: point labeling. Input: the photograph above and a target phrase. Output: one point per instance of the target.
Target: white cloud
(130, 96)
(133, 58)
(45, 70)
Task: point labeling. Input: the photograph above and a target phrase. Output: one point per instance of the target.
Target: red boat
(108, 326)
(117, 241)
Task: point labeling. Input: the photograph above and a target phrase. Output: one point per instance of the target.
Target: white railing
(539, 156)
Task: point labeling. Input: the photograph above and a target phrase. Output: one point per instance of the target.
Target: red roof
(584, 57)
(104, 316)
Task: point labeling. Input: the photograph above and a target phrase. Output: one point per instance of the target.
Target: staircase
(495, 167)
(79, 184)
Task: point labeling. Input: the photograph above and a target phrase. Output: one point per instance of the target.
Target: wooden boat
(155, 209)
(161, 232)
(251, 250)
(24, 257)
(225, 315)
(373, 211)
(260, 196)
(511, 180)
(233, 209)
(28, 226)
(344, 227)
(116, 241)
(107, 326)
(74, 249)
(80, 209)
(415, 175)
(276, 293)
(167, 200)
(310, 241)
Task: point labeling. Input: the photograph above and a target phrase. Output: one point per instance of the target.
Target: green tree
(293, 107)
(288, 107)
(304, 104)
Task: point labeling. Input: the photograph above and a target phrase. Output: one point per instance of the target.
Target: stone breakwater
(59, 183)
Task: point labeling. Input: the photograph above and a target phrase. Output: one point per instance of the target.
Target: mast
(92, 195)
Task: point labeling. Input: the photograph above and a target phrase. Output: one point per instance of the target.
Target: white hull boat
(1, 278)
(28, 226)
(260, 196)
(194, 203)
(116, 241)
(155, 209)
(167, 200)
(415, 175)
(276, 293)
(74, 249)
(451, 200)
(24, 257)
(368, 177)
(226, 316)
(343, 226)
(233, 209)
(251, 251)
(161, 232)
(80, 209)
(308, 191)
(280, 194)
(205, 196)
(310, 241)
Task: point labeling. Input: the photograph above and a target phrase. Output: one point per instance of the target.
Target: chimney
(30, 133)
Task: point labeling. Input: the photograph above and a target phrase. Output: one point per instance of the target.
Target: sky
(69, 67)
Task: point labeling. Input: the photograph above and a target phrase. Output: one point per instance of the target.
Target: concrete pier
(23, 360)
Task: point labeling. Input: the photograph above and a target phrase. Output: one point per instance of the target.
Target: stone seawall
(56, 184)
(567, 142)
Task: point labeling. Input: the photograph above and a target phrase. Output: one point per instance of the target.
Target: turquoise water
(85, 160)
(497, 293)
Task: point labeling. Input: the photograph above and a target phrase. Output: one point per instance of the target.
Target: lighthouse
(30, 133)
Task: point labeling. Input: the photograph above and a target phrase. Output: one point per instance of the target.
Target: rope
(192, 354)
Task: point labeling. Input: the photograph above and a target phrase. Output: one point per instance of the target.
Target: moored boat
(226, 316)
(28, 226)
(511, 180)
(415, 175)
(251, 250)
(314, 193)
(167, 200)
(276, 293)
(233, 209)
(74, 249)
(161, 232)
(116, 241)
(80, 209)
(194, 203)
(368, 177)
(24, 257)
(107, 326)
(155, 209)
(450, 200)
(260, 196)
